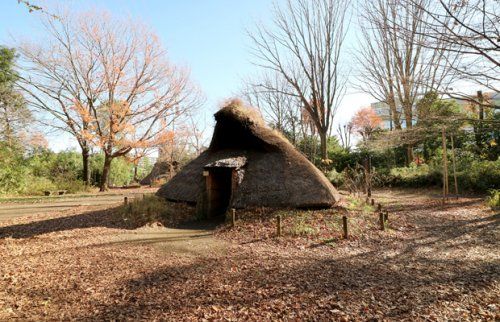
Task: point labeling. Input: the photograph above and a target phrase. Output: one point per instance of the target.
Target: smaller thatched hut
(249, 165)
(161, 170)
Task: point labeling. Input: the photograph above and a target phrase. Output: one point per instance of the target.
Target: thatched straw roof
(161, 169)
(274, 173)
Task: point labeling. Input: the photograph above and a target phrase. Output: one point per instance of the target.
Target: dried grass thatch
(275, 174)
(161, 169)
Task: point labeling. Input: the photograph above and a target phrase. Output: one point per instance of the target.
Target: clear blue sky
(209, 36)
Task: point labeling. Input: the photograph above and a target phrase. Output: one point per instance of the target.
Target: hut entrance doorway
(219, 190)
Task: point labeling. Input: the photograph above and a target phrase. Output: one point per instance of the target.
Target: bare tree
(106, 82)
(397, 67)
(304, 46)
(185, 140)
(196, 138)
(470, 32)
(344, 132)
(281, 111)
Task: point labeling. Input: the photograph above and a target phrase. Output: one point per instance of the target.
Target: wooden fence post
(344, 225)
(278, 227)
(386, 216)
(125, 201)
(233, 217)
(381, 220)
(373, 202)
(379, 207)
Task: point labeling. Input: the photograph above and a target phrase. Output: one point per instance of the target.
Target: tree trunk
(323, 145)
(136, 166)
(455, 181)
(368, 178)
(445, 165)
(425, 151)
(478, 129)
(409, 154)
(409, 126)
(105, 173)
(86, 166)
(8, 133)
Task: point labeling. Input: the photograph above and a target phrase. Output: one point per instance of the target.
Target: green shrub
(121, 172)
(481, 176)
(71, 185)
(414, 176)
(38, 185)
(337, 179)
(493, 199)
(13, 172)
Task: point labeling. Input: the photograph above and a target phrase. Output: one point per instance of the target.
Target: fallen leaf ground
(434, 263)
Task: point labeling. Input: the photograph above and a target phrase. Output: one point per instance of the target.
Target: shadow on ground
(420, 277)
(360, 285)
(108, 218)
(418, 280)
(443, 267)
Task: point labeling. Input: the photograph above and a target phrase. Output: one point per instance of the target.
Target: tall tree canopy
(106, 81)
(14, 114)
(305, 47)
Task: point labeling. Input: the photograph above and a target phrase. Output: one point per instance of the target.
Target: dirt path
(38, 205)
(435, 263)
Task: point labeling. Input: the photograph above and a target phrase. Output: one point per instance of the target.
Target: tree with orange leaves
(105, 81)
(117, 130)
(365, 122)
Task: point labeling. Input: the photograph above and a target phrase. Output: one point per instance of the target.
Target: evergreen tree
(14, 114)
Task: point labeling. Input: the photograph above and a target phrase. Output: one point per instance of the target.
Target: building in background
(384, 112)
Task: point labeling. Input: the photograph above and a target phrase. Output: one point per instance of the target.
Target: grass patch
(311, 226)
(154, 209)
(493, 200)
(357, 204)
(302, 228)
(37, 199)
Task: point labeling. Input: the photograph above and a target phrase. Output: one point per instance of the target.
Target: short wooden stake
(233, 217)
(381, 220)
(278, 225)
(373, 202)
(125, 201)
(344, 225)
(379, 207)
(386, 216)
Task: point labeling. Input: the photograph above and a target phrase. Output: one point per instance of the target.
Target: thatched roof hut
(249, 165)
(161, 170)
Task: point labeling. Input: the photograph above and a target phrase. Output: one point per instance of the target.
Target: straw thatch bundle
(273, 173)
